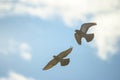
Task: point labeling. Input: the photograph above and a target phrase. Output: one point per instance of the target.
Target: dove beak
(76, 30)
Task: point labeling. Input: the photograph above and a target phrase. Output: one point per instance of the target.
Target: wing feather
(78, 38)
(50, 64)
(65, 53)
(86, 26)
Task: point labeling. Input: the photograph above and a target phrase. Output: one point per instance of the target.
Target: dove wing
(65, 53)
(50, 64)
(78, 38)
(86, 26)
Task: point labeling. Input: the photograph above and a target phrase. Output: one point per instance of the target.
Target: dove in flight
(82, 33)
(59, 58)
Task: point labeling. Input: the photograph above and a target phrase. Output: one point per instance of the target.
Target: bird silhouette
(59, 58)
(82, 33)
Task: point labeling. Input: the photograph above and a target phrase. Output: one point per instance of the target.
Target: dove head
(76, 31)
(56, 57)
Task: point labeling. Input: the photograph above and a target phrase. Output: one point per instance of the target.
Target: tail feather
(64, 62)
(89, 37)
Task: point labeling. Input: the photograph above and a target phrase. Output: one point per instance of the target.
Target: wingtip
(79, 43)
(44, 69)
(94, 23)
(71, 48)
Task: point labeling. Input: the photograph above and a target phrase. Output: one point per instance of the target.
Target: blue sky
(32, 32)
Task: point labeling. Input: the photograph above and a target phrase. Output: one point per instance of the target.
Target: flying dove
(59, 58)
(82, 33)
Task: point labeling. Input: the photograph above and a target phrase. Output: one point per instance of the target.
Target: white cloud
(24, 47)
(11, 46)
(107, 34)
(69, 10)
(105, 13)
(26, 56)
(15, 76)
(25, 51)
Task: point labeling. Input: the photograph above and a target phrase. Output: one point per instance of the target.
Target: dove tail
(89, 37)
(64, 62)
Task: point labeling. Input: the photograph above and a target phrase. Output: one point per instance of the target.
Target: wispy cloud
(25, 51)
(104, 12)
(15, 76)
(69, 10)
(11, 46)
(107, 34)
(8, 46)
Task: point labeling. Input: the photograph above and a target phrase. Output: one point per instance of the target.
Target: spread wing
(64, 53)
(78, 38)
(50, 64)
(86, 26)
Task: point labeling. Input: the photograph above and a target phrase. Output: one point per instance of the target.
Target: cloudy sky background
(32, 31)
